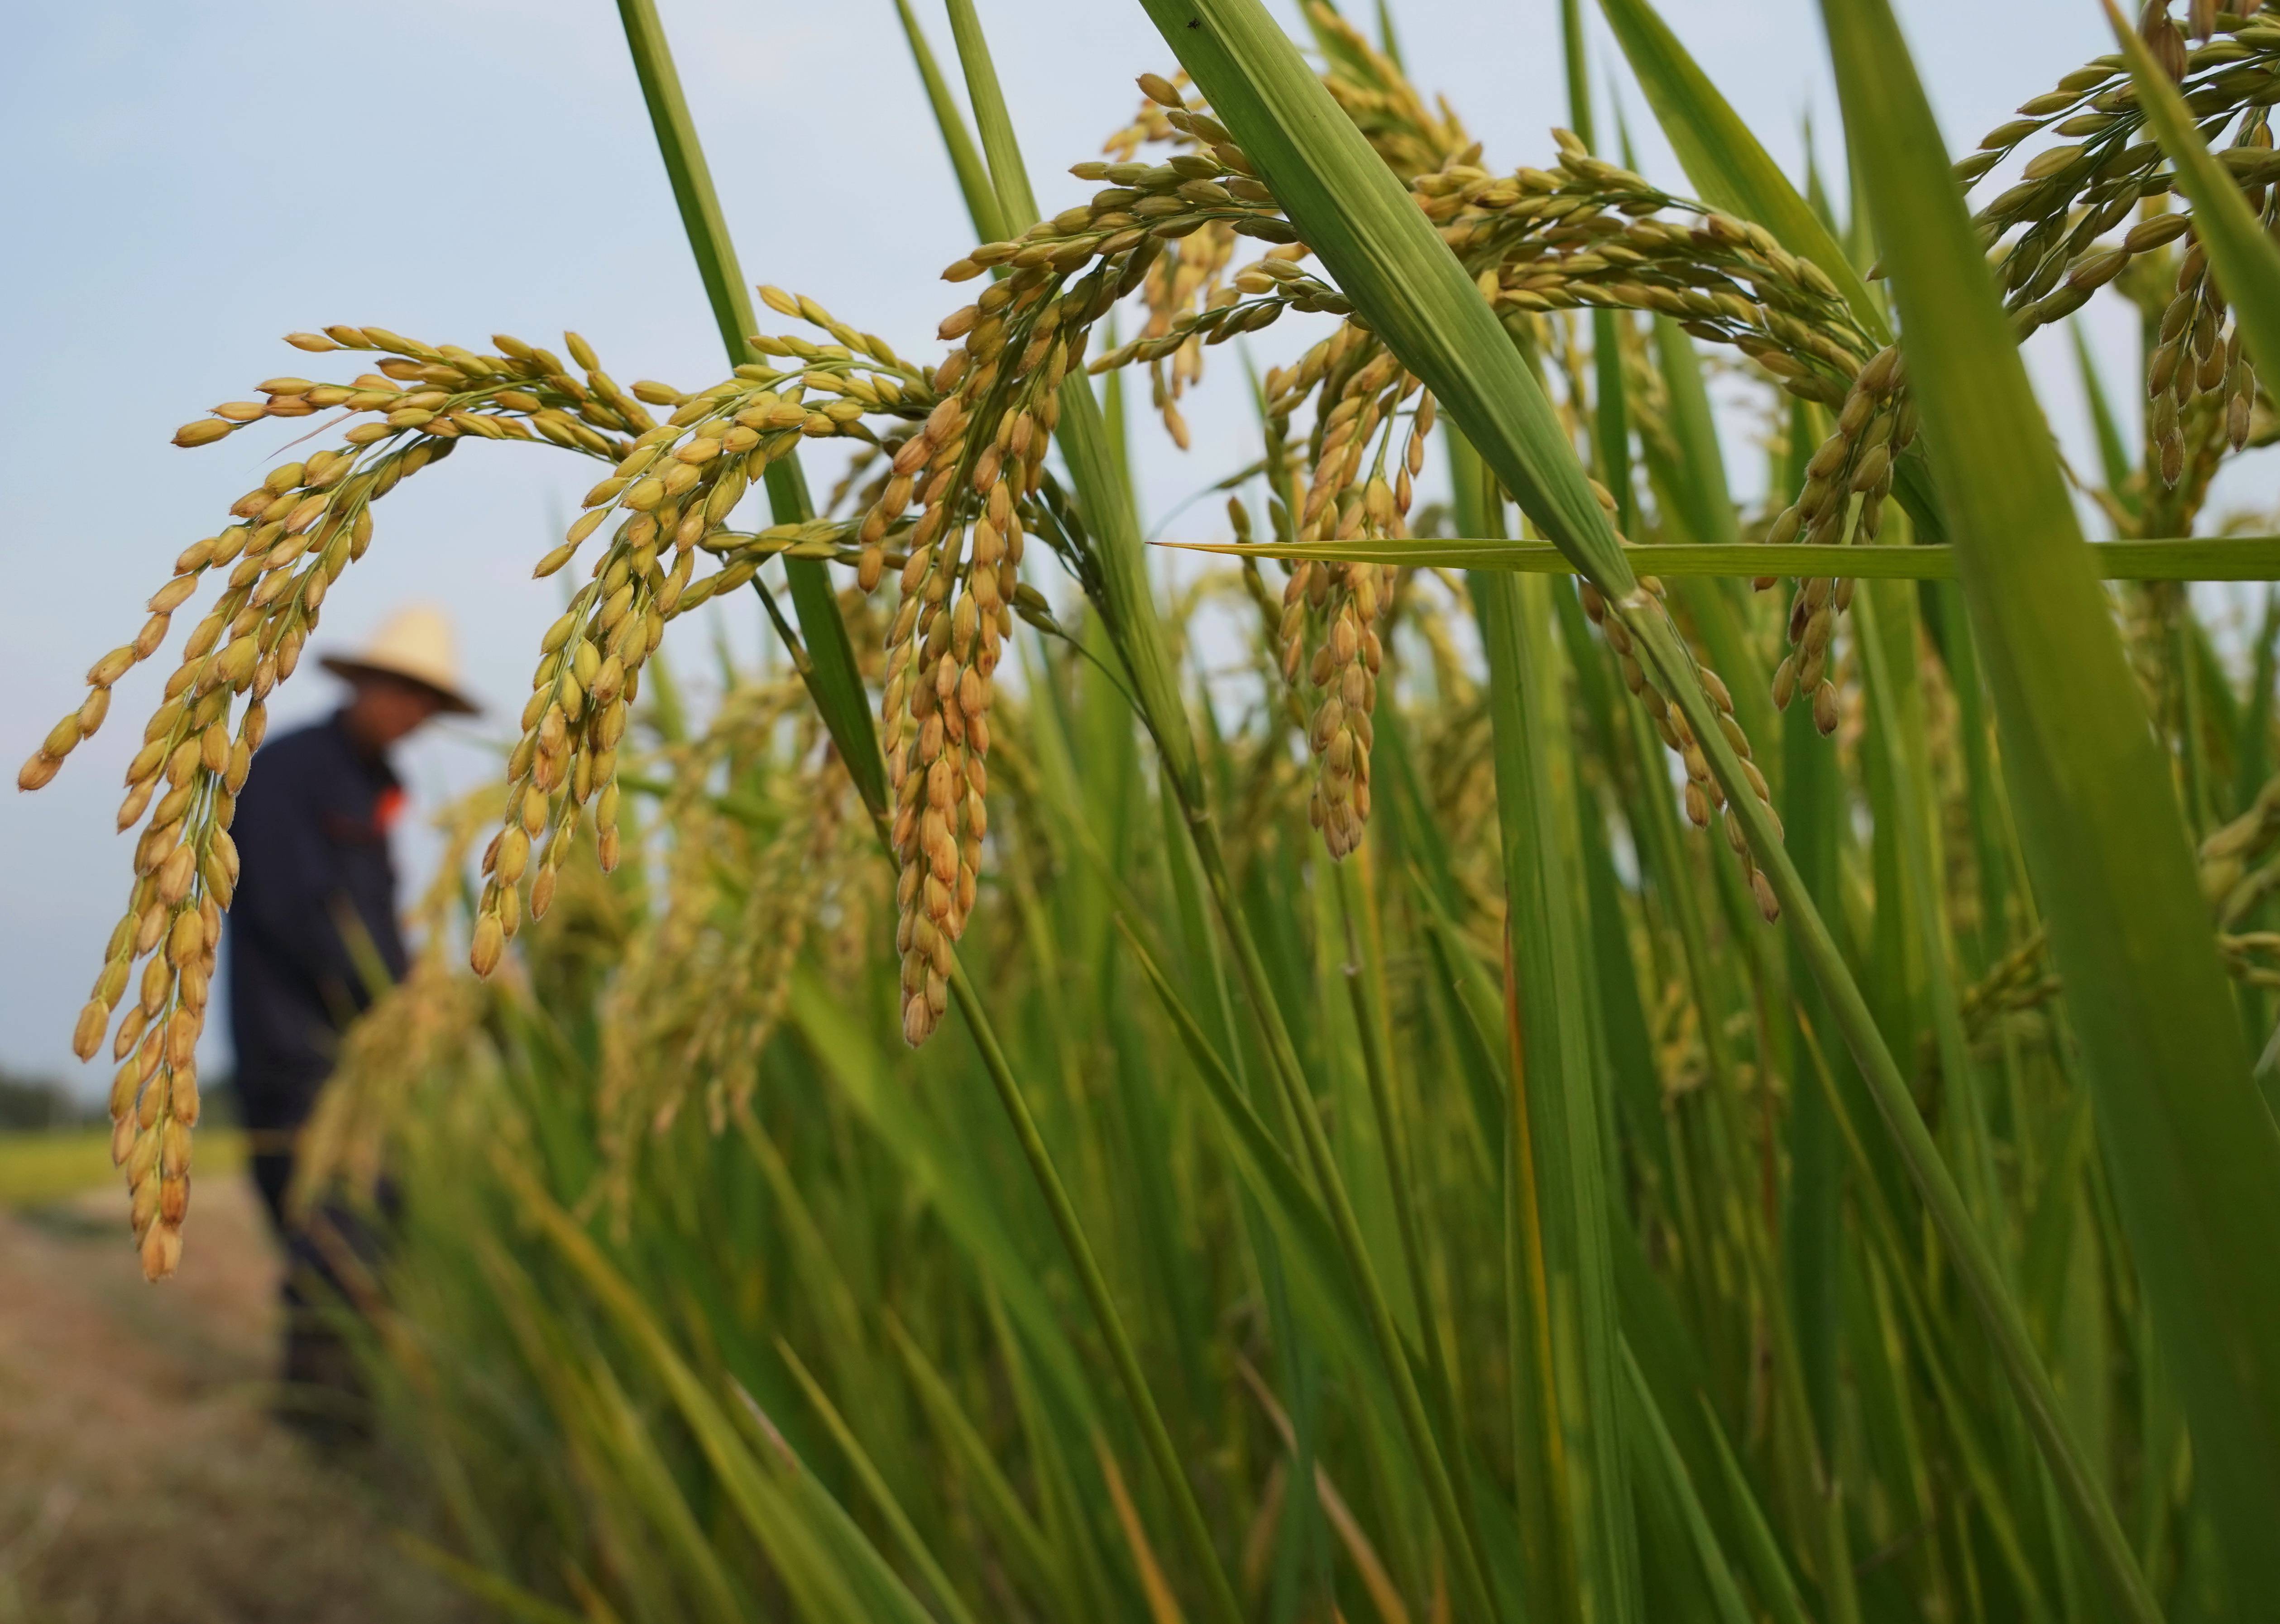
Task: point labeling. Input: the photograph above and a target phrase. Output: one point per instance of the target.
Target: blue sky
(191, 182)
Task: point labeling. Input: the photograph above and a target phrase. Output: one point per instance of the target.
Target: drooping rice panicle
(950, 481)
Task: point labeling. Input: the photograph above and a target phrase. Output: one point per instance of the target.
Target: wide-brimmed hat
(415, 645)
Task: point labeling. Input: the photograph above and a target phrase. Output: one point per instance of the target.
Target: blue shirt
(316, 884)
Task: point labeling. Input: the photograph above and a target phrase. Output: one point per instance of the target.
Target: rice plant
(1385, 1162)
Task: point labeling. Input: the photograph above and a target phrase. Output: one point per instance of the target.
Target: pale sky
(190, 183)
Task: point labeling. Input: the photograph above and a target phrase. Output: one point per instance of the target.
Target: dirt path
(141, 1480)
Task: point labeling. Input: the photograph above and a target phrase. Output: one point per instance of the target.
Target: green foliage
(1505, 1222)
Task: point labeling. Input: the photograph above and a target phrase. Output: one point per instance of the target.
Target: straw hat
(416, 645)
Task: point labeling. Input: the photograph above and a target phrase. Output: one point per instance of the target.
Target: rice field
(37, 1169)
(1524, 1040)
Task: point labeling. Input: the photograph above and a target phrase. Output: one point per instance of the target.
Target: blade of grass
(1476, 1015)
(1696, 489)
(1388, 260)
(2113, 454)
(1095, 466)
(1701, 489)
(1660, 1460)
(1127, 604)
(1393, 1105)
(512, 1600)
(1005, 1512)
(1296, 1529)
(1976, 1266)
(779, 1514)
(833, 678)
(1140, 1396)
(1932, 1336)
(1163, 1606)
(1560, 1092)
(1886, 644)
(1009, 176)
(2194, 1155)
(1128, 608)
(850, 1059)
(2253, 750)
(574, 1381)
(1068, 1526)
(965, 159)
(831, 672)
(642, 1465)
(906, 1534)
(1578, 68)
(1611, 429)
(1760, 1548)
(1260, 1162)
(1555, 1545)
(1812, 1231)
(2196, 558)
(1374, 1579)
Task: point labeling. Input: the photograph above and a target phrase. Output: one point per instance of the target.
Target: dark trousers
(332, 1255)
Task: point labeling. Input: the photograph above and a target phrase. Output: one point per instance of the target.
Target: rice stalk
(1383, 948)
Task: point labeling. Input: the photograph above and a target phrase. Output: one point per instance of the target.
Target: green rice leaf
(829, 668)
(2194, 1156)
(511, 1600)
(1699, 484)
(964, 160)
(1000, 1505)
(849, 1058)
(784, 1511)
(1662, 1467)
(2197, 558)
(907, 1537)
(2114, 457)
(1560, 1093)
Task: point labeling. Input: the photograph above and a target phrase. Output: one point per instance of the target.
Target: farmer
(312, 939)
